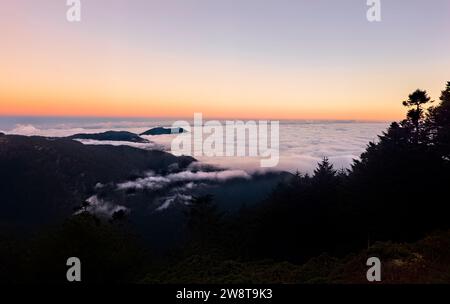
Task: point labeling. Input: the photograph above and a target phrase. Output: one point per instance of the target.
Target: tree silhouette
(415, 102)
(324, 171)
(118, 216)
(203, 220)
(439, 124)
(83, 207)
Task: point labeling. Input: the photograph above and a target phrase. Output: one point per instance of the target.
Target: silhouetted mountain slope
(111, 135)
(42, 179)
(163, 131)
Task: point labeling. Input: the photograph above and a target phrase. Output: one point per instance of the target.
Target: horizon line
(191, 117)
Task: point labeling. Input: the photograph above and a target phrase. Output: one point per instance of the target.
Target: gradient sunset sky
(283, 59)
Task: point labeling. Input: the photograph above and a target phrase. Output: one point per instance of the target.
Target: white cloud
(217, 176)
(150, 182)
(144, 146)
(170, 200)
(102, 208)
(157, 182)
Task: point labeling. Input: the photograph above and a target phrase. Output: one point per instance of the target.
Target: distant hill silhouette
(112, 136)
(163, 131)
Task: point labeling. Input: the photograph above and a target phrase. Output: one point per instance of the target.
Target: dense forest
(320, 228)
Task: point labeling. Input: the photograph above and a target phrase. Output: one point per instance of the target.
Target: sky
(271, 59)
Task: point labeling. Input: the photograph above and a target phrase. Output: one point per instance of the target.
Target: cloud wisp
(102, 208)
(178, 187)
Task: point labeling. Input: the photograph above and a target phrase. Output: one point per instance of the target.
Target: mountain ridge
(163, 131)
(111, 136)
(43, 179)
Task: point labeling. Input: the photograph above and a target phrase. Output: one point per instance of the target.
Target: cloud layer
(302, 143)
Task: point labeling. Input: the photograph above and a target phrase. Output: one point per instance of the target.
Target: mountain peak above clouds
(111, 136)
(163, 131)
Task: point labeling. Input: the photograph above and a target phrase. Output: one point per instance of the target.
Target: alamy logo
(374, 272)
(74, 272)
(232, 139)
(74, 11)
(374, 11)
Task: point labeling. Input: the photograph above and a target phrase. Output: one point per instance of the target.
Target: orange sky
(152, 85)
(51, 67)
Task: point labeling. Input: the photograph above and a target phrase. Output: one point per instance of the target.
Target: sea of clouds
(302, 143)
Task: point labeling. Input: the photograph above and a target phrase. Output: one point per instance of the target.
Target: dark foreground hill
(425, 261)
(111, 255)
(112, 136)
(42, 179)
